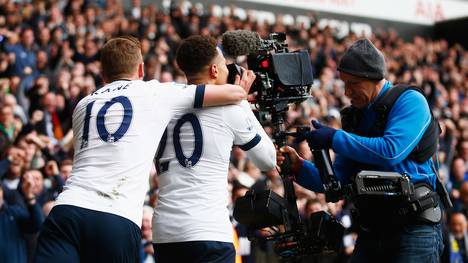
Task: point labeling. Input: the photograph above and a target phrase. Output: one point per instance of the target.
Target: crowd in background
(49, 60)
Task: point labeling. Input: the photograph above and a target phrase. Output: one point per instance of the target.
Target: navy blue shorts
(74, 234)
(195, 252)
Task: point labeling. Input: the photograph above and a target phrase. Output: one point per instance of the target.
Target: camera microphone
(240, 42)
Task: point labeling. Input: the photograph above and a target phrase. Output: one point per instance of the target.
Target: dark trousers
(74, 234)
(413, 243)
(195, 252)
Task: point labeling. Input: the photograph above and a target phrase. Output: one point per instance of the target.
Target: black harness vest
(351, 118)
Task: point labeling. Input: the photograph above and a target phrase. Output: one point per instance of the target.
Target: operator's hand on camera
(319, 138)
(296, 160)
(246, 80)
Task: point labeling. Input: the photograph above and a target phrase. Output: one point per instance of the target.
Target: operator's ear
(214, 71)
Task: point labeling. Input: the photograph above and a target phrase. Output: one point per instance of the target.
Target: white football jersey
(117, 130)
(193, 162)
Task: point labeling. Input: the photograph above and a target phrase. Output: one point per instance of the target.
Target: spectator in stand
(461, 204)
(13, 167)
(89, 53)
(66, 169)
(53, 182)
(24, 54)
(459, 175)
(16, 220)
(456, 244)
(18, 111)
(8, 129)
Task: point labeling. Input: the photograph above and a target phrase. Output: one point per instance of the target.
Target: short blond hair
(120, 57)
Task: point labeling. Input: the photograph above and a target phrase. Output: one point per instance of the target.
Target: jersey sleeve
(245, 135)
(250, 136)
(181, 96)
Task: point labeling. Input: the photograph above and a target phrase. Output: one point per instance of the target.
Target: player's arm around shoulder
(250, 136)
(229, 94)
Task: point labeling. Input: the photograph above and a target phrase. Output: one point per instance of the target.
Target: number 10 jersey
(117, 130)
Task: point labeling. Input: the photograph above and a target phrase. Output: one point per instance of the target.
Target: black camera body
(283, 77)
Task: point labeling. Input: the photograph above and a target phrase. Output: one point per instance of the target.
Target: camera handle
(331, 185)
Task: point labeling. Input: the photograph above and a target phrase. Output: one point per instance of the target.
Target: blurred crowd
(49, 60)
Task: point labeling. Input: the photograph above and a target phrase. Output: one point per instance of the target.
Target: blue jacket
(406, 124)
(15, 221)
(24, 58)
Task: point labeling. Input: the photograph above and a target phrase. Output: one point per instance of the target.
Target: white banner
(425, 12)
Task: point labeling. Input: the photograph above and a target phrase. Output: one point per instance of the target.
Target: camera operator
(401, 139)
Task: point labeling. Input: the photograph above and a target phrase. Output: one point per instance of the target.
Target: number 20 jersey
(117, 130)
(193, 163)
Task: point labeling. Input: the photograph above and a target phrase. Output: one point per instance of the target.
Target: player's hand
(294, 158)
(247, 79)
(252, 98)
(286, 150)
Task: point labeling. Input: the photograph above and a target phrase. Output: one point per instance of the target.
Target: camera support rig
(322, 234)
(284, 78)
(287, 244)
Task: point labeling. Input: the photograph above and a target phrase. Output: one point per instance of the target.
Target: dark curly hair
(195, 53)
